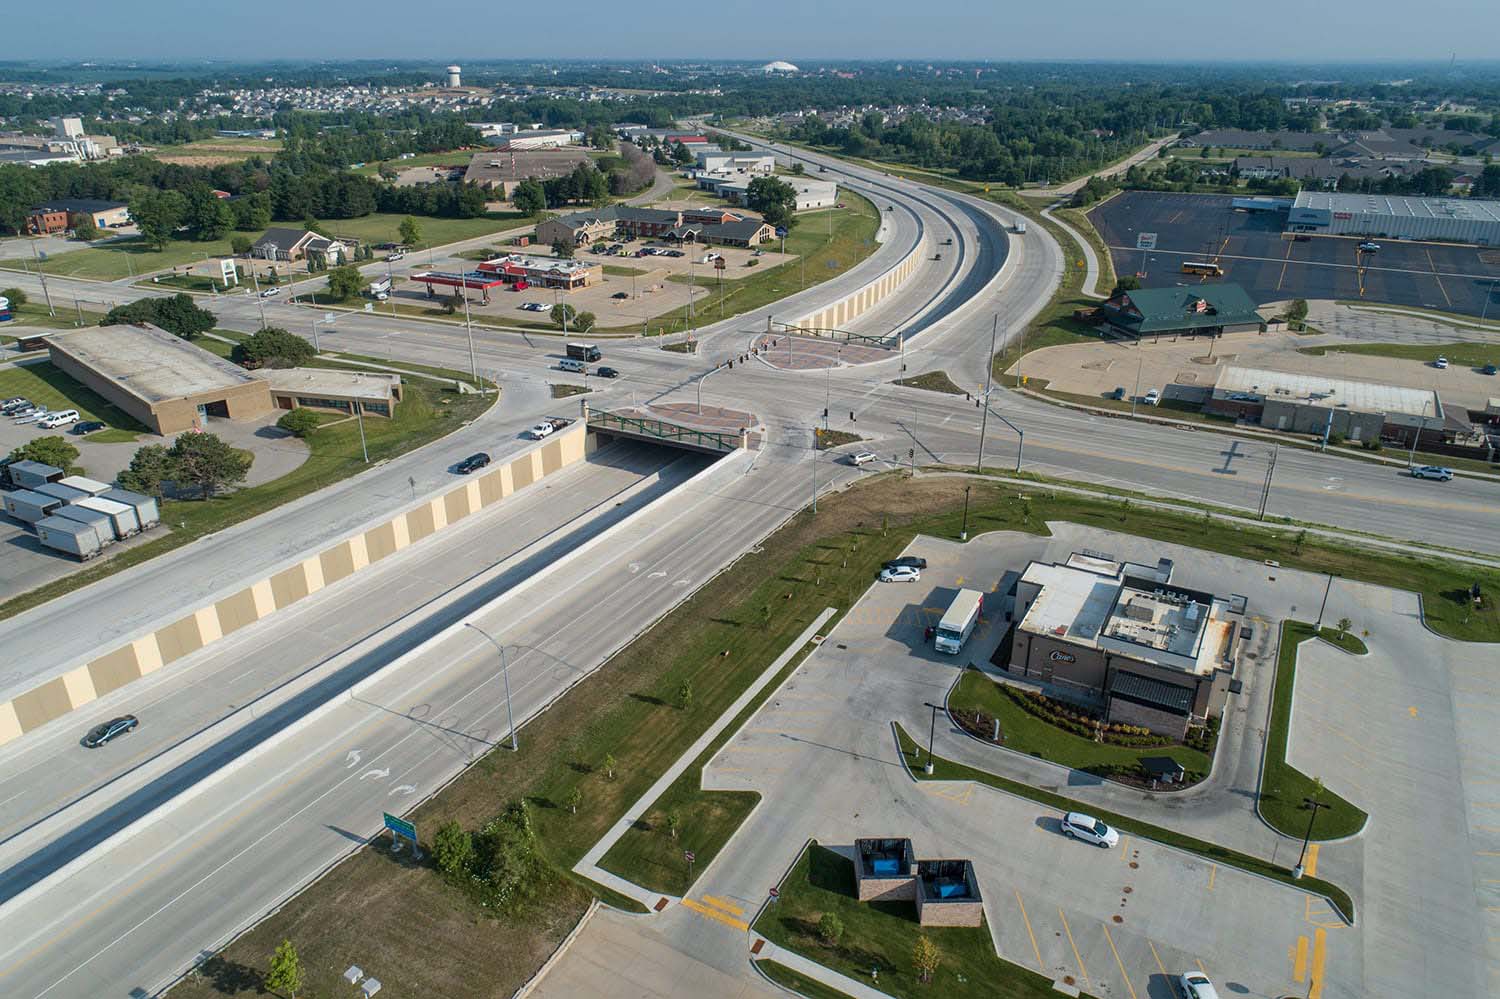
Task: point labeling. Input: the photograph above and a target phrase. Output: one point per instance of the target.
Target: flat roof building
(501, 170)
(56, 215)
(1123, 637)
(159, 379)
(1390, 216)
(1312, 403)
(340, 391)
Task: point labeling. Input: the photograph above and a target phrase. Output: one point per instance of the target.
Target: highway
(137, 912)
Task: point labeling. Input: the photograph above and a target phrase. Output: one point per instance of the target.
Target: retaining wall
(187, 634)
(851, 306)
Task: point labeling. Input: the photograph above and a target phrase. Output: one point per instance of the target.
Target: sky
(1000, 30)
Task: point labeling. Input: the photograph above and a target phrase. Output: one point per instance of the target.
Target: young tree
(685, 695)
(345, 283)
(272, 347)
(562, 249)
(285, 974)
(411, 231)
(299, 422)
(830, 928)
(240, 245)
(673, 821)
(452, 303)
(529, 197)
(1126, 282)
(609, 766)
(150, 468)
(54, 451)
(562, 315)
(452, 847)
(925, 959)
(207, 462)
(574, 799)
(84, 227)
(799, 170)
(583, 322)
(158, 214)
(1296, 311)
(1344, 625)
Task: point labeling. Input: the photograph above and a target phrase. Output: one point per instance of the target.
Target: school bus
(1202, 267)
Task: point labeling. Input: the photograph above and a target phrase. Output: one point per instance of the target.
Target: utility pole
(42, 276)
(510, 721)
(359, 413)
(815, 468)
(1265, 492)
(1411, 457)
(469, 325)
(984, 405)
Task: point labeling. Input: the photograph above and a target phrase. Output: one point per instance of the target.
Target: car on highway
(859, 458)
(1194, 985)
(111, 730)
(472, 463)
(59, 419)
(87, 427)
(1489, 369)
(1085, 828)
(1435, 472)
(1153, 397)
(398, 255)
(914, 561)
(1369, 248)
(900, 574)
(270, 293)
(607, 372)
(1441, 363)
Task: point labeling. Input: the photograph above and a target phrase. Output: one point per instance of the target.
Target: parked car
(1084, 827)
(915, 561)
(900, 574)
(15, 405)
(1153, 397)
(676, 253)
(607, 372)
(533, 307)
(31, 416)
(1118, 393)
(1441, 362)
(1489, 369)
(1369, 248)
(540, 430)
(1436, 472)
(87, 427)
(14, 400)
(59, 419)
(109, 731)
(1195, 985)
(270, 293)
(859, 458)
(620, 295)
(472, 463)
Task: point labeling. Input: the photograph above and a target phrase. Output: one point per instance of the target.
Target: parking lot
(1252, 252)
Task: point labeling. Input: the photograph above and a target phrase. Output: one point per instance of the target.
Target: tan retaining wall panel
(337, 562)
(551, 457)
(10, 725)
(288, 586)
(380, 541)
(80, 686)
(520, 472)
(114, 670)
(179, 638)
(492, 487)
(237, 610)
(37, 707)
(456, 505)
(419, 523)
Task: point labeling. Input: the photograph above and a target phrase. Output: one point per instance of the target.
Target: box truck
(959, 621)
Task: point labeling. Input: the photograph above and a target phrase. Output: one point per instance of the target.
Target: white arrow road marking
(656, 575)
(377, 774)
(635, 567)
(352, 758)
(681, 582)
(404, 789)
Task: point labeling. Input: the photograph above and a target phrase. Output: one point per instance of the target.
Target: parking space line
(1119, 963)
(1201, 967)
(1025, 919)
(1436, 278)
(1320, 954)
(1125, 849)
(1083, 971)
(1159, 966)
(1284, 262)
(963, 797)
(1299, 964)
(1213, 871)
(1312, 860)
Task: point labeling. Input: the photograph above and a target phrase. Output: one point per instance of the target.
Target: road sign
(689, 856)
(781, 232)
(775, 894)
(720, 263)
(400, 827)
(1145, 241)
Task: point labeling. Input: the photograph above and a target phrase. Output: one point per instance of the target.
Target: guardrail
(846, 336)
(672, 433)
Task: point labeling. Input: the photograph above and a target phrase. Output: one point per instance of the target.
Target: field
(217, 151)
(456, 158)
(380, 228)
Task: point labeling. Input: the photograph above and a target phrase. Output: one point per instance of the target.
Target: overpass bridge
(655, 430)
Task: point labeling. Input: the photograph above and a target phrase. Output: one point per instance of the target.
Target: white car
(1441, 362)
(1152, 397)
(1082, 826)
(541, 430)
(34, 416)
(532, 307)
(1435, 472)
(900, 574)
(270, 293)
(59, 419)
(1195, 985)
(861, 458)
(1369, 247)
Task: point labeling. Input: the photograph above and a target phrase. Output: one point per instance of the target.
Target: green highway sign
(401, 827)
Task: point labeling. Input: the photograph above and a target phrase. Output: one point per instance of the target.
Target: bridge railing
(673, 433)
(847, 336)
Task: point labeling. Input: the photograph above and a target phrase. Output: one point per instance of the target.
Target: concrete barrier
(82, 683)
(836, 315)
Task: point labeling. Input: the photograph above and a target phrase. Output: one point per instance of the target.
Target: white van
(59, 419)
(572, 364)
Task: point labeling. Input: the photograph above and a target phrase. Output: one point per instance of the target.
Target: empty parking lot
(1252, 252)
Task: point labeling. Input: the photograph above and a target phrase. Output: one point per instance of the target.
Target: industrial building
(1390, 216)
(536, 138)
(1204, 309)
(56, 216)
(1315, 404)
(159, 379)
(1124, 638)
(501, 170)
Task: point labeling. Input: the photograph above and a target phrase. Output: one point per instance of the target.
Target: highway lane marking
(1118, 963)
(1299, 962)
(717, 916)
(1083, 971)
(1032, 936)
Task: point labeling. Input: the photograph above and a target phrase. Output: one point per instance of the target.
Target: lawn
(1466, 354)
(932, 381)
(427, 412)
(126, 257)
(383, 228)
(615, 270)
(808, 988)
(1026, 733)
(459, 158)
(47, 386)
(1282, 787)
(1079, 220)
(883, 935)
(916, 755)
(34, 313)
(221, 149)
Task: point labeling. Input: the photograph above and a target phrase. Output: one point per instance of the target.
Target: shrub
(299, 422)
(830, 928)
(16, 295)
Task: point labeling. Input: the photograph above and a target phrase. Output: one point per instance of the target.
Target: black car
(911, 561)
(472, 463)
(87, 427)
(109, 731)
(1489, 369)
(607, 373)
(620, 294)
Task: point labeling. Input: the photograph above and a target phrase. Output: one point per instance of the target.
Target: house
(281, 243)
(57, 215)
(1212, 309)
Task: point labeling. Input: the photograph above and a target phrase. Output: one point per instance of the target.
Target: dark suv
(914, 561)
(472, 463)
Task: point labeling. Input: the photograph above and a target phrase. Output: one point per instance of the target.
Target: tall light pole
(931, 734)
(963, 534)
(989, 373)
(510, 720)
(1411, 456)
(42, 277)
(469, 325)
(1313, 805)
(359, 414)
(815, 468)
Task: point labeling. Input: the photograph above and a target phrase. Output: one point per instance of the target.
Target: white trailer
(121, 515)
(91, 486)
(146, 510)
(79, 540)
(959, 622)
(103, 526)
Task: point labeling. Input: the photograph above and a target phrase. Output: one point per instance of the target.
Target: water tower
(454, 81)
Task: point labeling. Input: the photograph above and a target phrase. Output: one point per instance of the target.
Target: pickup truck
(546, 428)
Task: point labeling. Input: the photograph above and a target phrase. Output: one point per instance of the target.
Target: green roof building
(1210, 309)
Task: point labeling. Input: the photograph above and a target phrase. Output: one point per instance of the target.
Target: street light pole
(42, 277)
(1411, 457)
(1265, 492)
(963, 534)
(1324, 605)
(510, 721)
(1313, 804)
(359, 413)
(469, 324)
(989, 373)
(931, 734)
(815, 468)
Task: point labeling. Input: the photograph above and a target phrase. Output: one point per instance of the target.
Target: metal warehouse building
(1458, 220)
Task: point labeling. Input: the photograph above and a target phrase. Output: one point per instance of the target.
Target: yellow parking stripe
(716, 915)
(1312, 860)
(1076, 956)
(1213, 872)
(1034, 948)
(1320, 954)
(1119, 963)
(725, 904)
(1159, 966)
(1299, 966)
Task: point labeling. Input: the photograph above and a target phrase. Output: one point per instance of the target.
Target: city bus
(1202, 267)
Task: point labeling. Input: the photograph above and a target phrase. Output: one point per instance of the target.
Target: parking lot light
(931, 734)
(1313, 804)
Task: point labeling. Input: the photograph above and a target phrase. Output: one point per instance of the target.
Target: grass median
(795, 981)
(1284, 788)
(943, 769)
